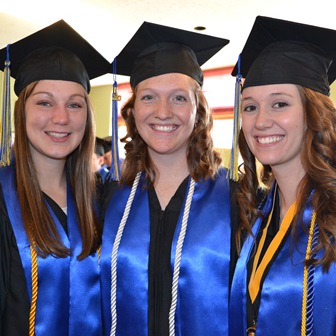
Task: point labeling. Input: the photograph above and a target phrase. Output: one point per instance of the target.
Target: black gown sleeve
(14, 302)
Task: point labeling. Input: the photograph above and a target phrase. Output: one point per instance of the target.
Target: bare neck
(288, 183)
(170, 174)
(52, 180)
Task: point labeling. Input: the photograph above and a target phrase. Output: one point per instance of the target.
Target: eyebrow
(180, 89)
(52, 95)
(281, 94)
(272, 94)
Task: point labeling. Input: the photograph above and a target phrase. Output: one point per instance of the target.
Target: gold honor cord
(99, 254)
(305, 277)
(34, 275)
(258, 272)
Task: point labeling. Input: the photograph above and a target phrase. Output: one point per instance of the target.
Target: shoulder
(222, 176)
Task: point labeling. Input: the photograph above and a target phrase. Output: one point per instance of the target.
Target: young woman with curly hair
(171, 251)
(284, 281)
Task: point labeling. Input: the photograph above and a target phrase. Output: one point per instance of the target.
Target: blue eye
(180, 98)
(75, 105)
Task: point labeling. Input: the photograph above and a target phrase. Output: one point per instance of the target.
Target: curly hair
(203, 160)
(319, 161)
(38, 223)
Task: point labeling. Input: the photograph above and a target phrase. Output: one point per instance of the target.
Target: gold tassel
(115, 169)
(5, 129)
(233, 167)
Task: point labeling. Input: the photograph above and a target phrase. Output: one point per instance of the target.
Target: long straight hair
(38, 223)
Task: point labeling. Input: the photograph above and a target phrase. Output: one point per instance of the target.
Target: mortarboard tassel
(115, 167)
(5, 129)
(233, 168)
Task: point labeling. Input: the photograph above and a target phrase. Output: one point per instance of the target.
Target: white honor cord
(115, 253)
(178, 254)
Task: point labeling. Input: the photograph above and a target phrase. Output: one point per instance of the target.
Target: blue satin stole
(202, 307)
(281, 298)
(68, 289)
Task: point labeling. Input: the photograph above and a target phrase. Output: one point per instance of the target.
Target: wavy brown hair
(203, 161)
(38, 223)
(318, 158)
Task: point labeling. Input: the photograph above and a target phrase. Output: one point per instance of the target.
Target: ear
(196, 120)
(101, 160)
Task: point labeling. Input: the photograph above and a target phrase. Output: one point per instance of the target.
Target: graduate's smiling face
(165, 112)
(56, 115)
(273, 123)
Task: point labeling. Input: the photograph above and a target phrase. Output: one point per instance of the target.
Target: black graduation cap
(156, 49)
(279, 52)
(55, 52)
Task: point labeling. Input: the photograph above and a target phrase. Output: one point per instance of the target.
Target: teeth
(269, 140)
(58, 135)
(164, 128)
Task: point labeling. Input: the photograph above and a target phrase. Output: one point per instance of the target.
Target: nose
(263, 119)
(60, 115)
(163, 110)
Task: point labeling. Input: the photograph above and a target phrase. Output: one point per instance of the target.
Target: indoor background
(109, 24)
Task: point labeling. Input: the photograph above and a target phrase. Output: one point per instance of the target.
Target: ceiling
(109, 24)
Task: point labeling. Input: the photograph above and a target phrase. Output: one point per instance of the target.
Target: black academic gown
(162, 228)
(14, 301)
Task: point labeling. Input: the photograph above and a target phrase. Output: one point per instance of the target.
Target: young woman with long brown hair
(50, 230)
(284, 281)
